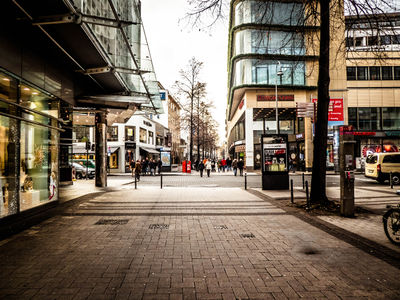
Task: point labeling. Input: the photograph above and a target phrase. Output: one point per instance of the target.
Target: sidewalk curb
(371, 247)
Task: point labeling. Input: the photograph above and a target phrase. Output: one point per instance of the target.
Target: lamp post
(279, 73)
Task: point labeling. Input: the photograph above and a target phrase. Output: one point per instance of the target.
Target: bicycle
(391, 224)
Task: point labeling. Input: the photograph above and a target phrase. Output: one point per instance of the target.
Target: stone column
(101, 148)
(249, 140)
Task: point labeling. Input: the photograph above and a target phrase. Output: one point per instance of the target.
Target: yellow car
(378, 166)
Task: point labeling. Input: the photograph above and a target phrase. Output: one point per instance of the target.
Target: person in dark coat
(240, 165)
(138, 169)
(201, 168)
(235, 166)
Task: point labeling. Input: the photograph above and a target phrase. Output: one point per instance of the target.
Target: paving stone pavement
(186, 243)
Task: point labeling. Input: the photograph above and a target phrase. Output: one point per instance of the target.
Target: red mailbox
(184, 166)
(189, 167)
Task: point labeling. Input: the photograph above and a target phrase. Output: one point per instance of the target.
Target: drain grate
(159, 226)
(112, 222)
(247, 235)
(221, 227)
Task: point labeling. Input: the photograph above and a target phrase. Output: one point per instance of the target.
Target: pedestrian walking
(208, 167)
(138, 169)
(229, 164)
(240, 165)
(201, 168)
(235, 166)
(213, 165)
(223, 164)
(159, 166)
(133, 166)
(152, 167)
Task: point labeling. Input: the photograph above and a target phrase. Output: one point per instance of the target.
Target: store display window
(142, 135)
(275, 154)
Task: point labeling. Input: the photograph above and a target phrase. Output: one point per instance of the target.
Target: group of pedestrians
(145, 167)
(222, 165)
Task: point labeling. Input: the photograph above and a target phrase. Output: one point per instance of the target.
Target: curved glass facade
(258, 71)
(272, 13)
(270, 41)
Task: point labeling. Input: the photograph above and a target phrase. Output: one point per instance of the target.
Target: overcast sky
(172, 45)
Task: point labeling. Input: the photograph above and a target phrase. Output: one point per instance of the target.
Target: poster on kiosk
(275, 174)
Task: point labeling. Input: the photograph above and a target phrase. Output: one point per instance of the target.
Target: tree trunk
(318, 180)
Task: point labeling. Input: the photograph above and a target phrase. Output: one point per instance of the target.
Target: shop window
(374, 73)
(362, 73)
(81, 133)
(387, 73)
(142, 135)
(396, 73)
(113, 160)
(112, 133)
(351, 73)
(130, 133)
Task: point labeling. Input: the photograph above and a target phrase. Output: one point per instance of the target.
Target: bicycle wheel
(391, 224)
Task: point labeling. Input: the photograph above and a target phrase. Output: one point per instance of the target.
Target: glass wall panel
(353, 116)
(362, 73)
(387, 73)
(374, 73)
(396, 73)
(277, 13)
(351, 73)
(273, 42)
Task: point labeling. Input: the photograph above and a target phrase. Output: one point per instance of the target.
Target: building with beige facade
(373, 81)
(274, 50)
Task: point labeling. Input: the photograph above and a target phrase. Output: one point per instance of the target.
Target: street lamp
(279, 73)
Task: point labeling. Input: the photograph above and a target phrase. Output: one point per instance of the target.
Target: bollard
(302, 175)
(308, 198)
(135, 181)
(391, 180)
(291, 191)
(245, 181)
(161, 180)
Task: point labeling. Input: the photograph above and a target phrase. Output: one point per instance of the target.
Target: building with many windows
(373, 81)
(273, 49)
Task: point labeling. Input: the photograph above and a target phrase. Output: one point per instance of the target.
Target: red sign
(272, 97)
(335, 110)
(347, 130)
(364, 133)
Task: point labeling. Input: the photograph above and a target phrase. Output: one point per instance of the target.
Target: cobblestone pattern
(68, 257)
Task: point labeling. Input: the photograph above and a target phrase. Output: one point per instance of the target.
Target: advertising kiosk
(275, 174)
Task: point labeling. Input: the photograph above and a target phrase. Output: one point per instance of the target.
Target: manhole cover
(112, 222)
(158, 226)
(247, 235)
(221, 227)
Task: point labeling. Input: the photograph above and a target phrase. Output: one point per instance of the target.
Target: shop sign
(335, 110)
(241, 148)
(346, 130)
(272, 97)
(305, 110)
(147, 123)
(392, 133)
(364, 133)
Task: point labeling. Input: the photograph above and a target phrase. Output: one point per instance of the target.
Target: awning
(111, 149)
(149, 150)
(122, 73)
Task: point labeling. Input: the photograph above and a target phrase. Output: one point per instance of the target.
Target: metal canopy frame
(83, 20)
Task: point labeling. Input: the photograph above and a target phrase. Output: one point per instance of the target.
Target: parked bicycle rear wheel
(391, 224)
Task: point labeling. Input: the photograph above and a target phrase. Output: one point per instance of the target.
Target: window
(388, 159)
(151, 138)
(81, 133)
(112, 133)
(143, 135)
(369, 118)
(372, 41)
(353, 116)
(391, 118)
(362, 73)
(374, 73)
(371, 159)
(359, 41)
(396, 158)
(396, 73)
(386, 39)
(349, 42)
(351, 73)
(265, 72)
(277, 13)
(130, 133)
(387, 73)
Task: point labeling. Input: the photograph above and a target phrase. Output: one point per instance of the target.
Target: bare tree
(192, 89)
(317, 21)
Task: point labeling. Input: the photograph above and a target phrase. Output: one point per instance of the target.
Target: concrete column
(101, 148)
(308, 143)
(249, 139)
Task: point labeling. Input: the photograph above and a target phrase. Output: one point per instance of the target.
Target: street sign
(305, 110)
